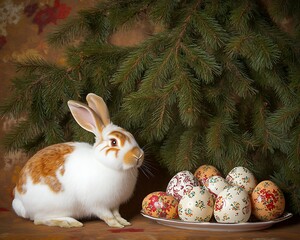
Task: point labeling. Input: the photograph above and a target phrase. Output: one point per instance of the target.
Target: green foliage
(219, 84)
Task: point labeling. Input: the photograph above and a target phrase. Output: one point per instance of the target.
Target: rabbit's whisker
(147, 168)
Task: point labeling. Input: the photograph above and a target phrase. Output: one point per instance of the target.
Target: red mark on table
(126, 230)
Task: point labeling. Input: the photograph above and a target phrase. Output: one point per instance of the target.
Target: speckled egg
(242, 177)
(204, 172)
(215, 185)
(180, 184)
(268, 201)
(196, 206)
(160, 205)
(232, 205)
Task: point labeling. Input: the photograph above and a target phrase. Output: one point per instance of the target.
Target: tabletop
(13, 227)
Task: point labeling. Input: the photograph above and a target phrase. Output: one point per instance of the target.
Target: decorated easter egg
(268, 201)
(160, 205)
(196, 205)
(204, 172)
(242, 177)
(180, 184)
(232, 205)
(215, 185)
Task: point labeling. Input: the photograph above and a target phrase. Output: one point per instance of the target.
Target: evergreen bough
(219, 84)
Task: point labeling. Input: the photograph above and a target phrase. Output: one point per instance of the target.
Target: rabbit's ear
(86, 117)
(98, 105)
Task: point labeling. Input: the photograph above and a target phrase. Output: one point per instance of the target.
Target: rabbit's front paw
(112, 222)
(123, 221)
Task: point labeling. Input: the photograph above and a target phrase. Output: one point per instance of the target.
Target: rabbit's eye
(113, 142)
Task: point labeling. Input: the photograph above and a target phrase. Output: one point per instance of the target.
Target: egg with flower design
(160, 205)
(196, 205)
(232, 205)
(181, 183)
(242, 177)
(268, 201)
(204, 172)
(215, 185)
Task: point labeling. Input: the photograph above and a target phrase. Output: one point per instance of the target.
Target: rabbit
(69, 181)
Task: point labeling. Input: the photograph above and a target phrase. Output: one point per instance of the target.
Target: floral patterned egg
(196, 206)
(242, 177)
(160, 205)
(180, 184)
(215, 185)
(232, 205)
(268, 201)
(204, 172)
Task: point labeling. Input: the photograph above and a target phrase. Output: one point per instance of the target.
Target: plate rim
(214, 226)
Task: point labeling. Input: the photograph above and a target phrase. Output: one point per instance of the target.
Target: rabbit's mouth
(139, 160)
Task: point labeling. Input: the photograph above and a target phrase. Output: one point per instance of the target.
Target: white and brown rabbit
(69, 181)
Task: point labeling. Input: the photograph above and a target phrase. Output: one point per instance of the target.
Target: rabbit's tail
(19, 208)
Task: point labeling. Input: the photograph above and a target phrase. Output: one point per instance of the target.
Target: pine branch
(236, 73)
(189, 150)
(261, 51)
(242, 15)
(15, 106)
(284, 118)
(34, 65)
(170, 148)
(132, 69)
(159, 123)
(212, 33)
(204, 64)
(20, 135)
(189, 98)
(294, 155)
(162, 11)
(70, 31)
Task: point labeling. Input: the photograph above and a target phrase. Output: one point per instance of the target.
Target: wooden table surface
(13, 227)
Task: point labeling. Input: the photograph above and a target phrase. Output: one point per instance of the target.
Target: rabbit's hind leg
(19, 208)
(65, 222)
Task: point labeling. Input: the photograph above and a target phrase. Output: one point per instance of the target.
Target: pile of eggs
(206, 194)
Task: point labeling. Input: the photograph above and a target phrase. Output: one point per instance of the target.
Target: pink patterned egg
(180, 184)
(204, 172)
(215, 185)
(242, 177)
(196, 205)
(232, 205)
(160, 205)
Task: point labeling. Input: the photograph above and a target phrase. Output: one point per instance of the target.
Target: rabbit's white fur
(94, 183)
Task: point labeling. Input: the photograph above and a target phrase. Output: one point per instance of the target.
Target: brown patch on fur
(121, 136)
(42, 167)
(132, 155)
(113, 149)
(62, 170)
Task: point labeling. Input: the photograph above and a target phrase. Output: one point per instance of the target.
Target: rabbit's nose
(134, 157)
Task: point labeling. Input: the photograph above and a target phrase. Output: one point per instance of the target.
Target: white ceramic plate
(213, 226)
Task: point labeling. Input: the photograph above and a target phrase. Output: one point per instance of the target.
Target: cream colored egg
(181, 183)
(196, 206)
(215, 185)
(232, 205)
(242, 177)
